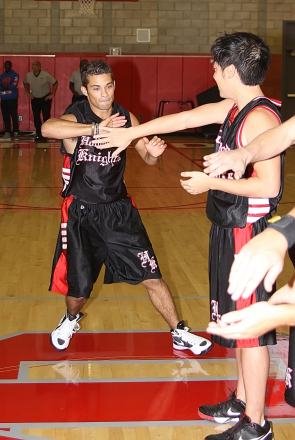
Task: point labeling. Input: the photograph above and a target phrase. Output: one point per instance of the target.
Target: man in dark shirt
(9, 96)
(100, 224)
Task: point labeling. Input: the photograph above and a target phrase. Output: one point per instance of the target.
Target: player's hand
(263, 256)
(113, 137)
(50, 96)
(198, 182)
(114, 121)
(30, 95)
(251, 322)
(155, 146)
(219, 163)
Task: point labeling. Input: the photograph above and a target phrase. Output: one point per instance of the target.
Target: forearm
(149, 159)
(26, 87)
(62, 129)
(165, 124)
(54, 87)
(251, 187)
(283, 314)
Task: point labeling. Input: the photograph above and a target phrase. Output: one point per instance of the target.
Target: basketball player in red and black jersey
(238, 210)
(263, 258)
(100, 224)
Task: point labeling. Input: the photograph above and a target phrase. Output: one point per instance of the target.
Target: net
(86, 7)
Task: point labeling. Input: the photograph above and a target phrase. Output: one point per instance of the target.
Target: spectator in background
(9, 96)
(37, 86)
(76, 83)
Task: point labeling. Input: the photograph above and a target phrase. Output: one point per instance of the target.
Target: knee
(153, 283)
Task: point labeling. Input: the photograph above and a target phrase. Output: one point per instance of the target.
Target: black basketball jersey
(229, 210)
(90, 174)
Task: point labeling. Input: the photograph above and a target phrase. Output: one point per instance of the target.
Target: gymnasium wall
(176, 26)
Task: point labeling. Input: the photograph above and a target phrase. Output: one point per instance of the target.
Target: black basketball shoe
(245, 430)
(224, 412)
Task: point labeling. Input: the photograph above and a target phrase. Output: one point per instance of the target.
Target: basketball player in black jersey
(238, 209)
(100, 223)
(262, 259)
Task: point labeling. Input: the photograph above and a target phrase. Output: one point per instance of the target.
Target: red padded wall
(195, 77)
(141, 81)
(144, 87)
(122, 69)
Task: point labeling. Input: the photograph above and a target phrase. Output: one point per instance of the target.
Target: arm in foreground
(259, 318)
(262, 257)
(265, 146)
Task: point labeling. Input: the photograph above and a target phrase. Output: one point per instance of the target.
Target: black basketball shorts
(224, 245)
(93, 235)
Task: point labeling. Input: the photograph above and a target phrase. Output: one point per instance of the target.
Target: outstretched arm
(265, 146)
(203, 115)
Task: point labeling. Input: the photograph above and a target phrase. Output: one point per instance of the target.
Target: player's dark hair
(95, 67)
(247, 52)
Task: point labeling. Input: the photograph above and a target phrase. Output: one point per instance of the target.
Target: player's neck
(246, 94)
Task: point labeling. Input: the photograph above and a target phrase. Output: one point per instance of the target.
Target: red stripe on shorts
(241, 237)
(59, 280)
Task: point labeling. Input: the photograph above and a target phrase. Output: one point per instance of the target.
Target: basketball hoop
(86, 7)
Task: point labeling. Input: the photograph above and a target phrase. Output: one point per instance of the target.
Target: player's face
(100, 91)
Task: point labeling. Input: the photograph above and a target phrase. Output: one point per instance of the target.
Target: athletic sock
(181, 325)
(71, 317)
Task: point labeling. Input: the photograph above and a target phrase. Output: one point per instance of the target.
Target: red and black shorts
(224, 244)
(93, 235)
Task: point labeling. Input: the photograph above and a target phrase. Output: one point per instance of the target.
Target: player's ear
(231, 71)
(84, 90)
(114, 85)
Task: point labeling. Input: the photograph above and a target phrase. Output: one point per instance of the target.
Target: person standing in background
(9, 95)
(76, 83)
(37, 86)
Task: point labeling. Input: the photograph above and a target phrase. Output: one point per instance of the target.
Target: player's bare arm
(259, 318)
(267, 181)
(250, 322)
(265, 146)
(203, 115)
(67, 128)
(149, 150)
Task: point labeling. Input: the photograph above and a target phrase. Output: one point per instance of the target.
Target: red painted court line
(122, 401)
(112, 402)
(4, 437)
(95, 346)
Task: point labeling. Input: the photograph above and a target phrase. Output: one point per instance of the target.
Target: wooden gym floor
(120, 378)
